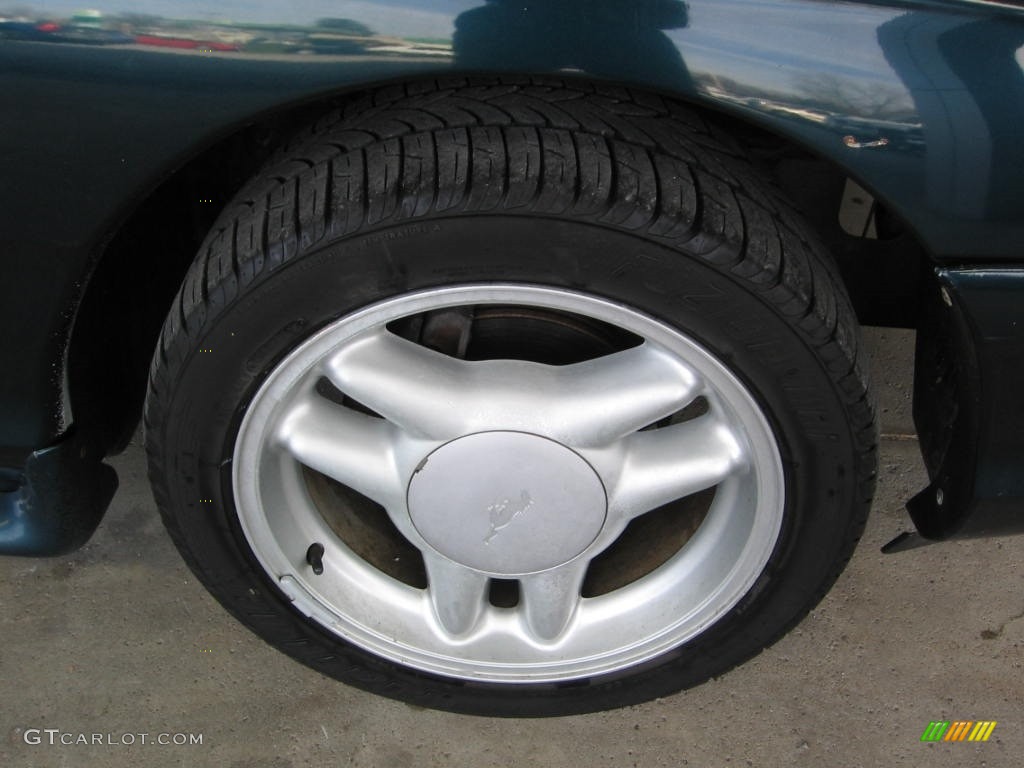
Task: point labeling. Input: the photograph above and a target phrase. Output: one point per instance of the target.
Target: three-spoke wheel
(510, 470)
(512, 398)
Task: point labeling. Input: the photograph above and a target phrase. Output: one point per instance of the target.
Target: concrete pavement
(119, 639)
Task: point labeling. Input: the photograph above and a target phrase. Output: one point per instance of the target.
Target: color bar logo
(958, 730)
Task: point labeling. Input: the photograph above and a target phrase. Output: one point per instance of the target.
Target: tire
(512, 397)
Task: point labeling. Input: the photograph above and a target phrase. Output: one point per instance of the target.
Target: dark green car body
(121, 136)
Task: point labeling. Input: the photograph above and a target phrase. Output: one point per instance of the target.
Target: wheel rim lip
(758, 498)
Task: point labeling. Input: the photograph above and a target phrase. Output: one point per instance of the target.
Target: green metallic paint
(919, 101)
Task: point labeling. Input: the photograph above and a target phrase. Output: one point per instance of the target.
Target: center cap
(507, 503)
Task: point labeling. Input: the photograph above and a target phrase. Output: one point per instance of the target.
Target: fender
(918, 100)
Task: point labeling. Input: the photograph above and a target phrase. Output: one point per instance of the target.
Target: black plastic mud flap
(60, 496)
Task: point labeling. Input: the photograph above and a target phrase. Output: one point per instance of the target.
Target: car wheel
(512, 397)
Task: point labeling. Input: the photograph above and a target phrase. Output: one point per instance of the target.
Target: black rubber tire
(602, 190)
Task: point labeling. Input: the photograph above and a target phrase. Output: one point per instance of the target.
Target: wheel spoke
(349, 447)
(414, 387)
(587, 404)
(666, 464)
(601, 400)
(550, 599)
(457, 594)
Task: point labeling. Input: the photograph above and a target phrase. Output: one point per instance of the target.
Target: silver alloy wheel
(508, 469)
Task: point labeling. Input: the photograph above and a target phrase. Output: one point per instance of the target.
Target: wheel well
(140, 270)
(881, 261)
